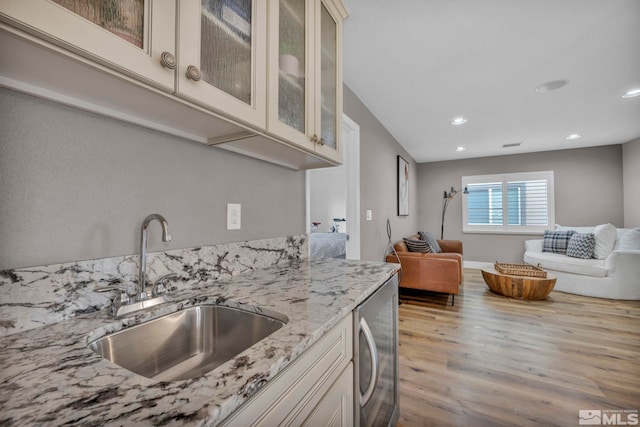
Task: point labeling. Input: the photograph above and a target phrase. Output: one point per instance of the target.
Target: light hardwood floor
(495, 361)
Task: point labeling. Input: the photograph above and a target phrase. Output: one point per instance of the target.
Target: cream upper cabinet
(305, 74)
(259, 77)
(117, 33)
(223, 57)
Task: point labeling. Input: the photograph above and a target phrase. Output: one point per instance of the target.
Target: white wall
(76, 186)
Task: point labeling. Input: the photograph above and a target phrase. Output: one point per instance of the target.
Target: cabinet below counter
(50, 377)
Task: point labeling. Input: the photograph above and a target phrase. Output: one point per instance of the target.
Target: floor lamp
(448, 197)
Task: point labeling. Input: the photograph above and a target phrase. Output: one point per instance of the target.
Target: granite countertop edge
(50, 377)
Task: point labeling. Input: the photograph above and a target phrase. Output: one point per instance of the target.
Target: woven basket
(520, 269)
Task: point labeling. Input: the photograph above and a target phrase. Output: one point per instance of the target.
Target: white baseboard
(476, 264)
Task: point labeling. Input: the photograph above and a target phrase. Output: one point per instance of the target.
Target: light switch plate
(233, 216)
(369, 214)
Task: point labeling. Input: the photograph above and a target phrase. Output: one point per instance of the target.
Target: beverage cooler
(375, 358)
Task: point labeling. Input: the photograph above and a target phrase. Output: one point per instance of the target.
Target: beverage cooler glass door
(376, 357)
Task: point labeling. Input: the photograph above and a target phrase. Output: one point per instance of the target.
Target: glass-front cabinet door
(222, 62)
(329, 105)
(135, 37)
(290, 66)
(305, 100)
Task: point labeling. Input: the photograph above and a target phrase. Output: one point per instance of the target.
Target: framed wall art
(403, 187)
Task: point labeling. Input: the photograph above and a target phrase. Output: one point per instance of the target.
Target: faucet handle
(122, 298)
(162, 281)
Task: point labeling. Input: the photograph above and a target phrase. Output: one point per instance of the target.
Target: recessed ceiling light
(461, 148)
(631, 93)
(459, 121)
(573, 136)
(549, 86)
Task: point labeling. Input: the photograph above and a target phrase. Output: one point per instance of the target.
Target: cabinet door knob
(167, 60)
(193, 73)
(321, 141)
(314, 139)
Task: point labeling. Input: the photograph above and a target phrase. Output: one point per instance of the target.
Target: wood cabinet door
(129, 36)
(222, 60)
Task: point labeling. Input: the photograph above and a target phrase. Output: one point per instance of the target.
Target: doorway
(334, 193)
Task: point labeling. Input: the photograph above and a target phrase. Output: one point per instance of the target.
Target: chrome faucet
(122, 304)
(141, 293)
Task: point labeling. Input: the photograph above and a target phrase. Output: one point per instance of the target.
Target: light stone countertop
(50, 377)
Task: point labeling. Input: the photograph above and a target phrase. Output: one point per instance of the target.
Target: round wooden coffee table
(520, 287)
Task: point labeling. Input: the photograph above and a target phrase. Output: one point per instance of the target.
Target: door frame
(351, 159)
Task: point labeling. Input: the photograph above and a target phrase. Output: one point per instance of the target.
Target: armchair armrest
(438, 272)
(451, 246)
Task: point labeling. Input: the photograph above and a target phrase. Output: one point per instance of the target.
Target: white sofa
(615, 276)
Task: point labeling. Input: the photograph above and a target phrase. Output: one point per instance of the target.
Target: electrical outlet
(369, 214)
(233, 216)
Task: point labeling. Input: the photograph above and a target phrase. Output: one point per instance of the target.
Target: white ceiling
(418, 64)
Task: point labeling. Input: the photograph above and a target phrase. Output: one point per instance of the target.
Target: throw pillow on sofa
(606, 236)
(417, 245)
(581, 245)
(433, 243)
(556, 241)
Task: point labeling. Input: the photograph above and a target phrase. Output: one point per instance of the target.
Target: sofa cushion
(556, 241)
(433, 243)
(581, 245)
(630, 240)
(576, 229)
(559, 262)
(606, 236)
(417, 245)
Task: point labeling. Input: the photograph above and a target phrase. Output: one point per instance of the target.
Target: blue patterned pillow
(417, 246)
(433, 243)
(556, 241)
(581, 245)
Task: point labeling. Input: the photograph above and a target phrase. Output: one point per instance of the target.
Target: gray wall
(76, 186)
(378, 182)
(631, 174)
(588, 191)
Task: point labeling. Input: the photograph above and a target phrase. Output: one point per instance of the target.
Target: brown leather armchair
(441, 272)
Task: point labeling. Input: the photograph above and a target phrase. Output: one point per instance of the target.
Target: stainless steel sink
(185, 344)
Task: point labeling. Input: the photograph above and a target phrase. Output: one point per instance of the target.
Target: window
(508, 203)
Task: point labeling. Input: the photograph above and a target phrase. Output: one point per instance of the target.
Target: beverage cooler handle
(373, 352)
